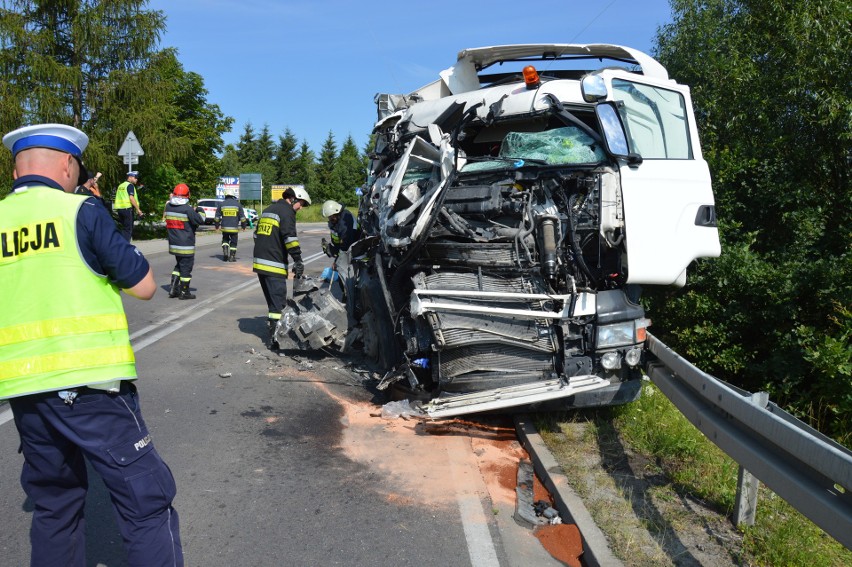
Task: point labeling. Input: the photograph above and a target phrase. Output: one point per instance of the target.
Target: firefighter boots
(184, 291)
(233, 256)
(226, 248)
(174, 289)
(271, 343)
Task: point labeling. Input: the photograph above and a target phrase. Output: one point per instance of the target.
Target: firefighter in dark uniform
(275, 239)
(181, 223)
(343, 228)
(66, 364)
(231, 217)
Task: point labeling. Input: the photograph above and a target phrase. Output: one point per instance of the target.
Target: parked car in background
(208, 206)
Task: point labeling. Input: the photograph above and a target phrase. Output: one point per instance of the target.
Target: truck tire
(380, 342)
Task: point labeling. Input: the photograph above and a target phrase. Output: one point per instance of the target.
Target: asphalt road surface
(286, 460)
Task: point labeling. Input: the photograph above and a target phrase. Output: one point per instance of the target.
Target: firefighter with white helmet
(276, 240)
(343, 227)
(181, 223)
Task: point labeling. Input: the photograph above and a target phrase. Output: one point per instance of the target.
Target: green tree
(264, 146)
(285, 157)
(195, 129)
(73, 62)
(247, 146)
(770, 81)
(350, 171)
(304, 170)
(229, 164)
(327, 183)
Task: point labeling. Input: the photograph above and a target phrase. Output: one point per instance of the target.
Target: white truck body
(510, 218)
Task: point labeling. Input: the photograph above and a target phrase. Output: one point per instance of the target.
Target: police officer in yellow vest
(66, 364)
(125, 202)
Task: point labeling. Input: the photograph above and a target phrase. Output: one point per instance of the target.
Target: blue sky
(314, 66)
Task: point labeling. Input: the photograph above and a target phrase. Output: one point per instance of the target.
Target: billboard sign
(278, 190)
(228, 183)
(251, 186)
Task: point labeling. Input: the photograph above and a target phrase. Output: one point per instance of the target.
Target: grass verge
(651, 439)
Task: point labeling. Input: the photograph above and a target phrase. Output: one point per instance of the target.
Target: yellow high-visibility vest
(61, 324)
(122, 197)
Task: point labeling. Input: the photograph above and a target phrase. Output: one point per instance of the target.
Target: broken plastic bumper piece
(523, 394)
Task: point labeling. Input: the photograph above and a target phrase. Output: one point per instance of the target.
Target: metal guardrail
(807, 469)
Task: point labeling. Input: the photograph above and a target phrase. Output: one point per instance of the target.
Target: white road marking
(170, 324)
(469, 485)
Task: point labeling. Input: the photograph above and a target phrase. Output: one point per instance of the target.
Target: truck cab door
(669, 210)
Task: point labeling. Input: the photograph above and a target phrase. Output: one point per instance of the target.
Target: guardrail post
(747, 483)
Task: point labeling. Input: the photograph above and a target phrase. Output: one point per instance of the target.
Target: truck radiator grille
(472, 281)
(504, 361)
(492, 255)
(461, 329)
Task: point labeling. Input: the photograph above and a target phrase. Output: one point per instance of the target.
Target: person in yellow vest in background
(66, 363)
(125, 203)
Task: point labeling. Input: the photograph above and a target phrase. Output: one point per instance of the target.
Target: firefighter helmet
(181, 190)
(301, 194)
(330, 208)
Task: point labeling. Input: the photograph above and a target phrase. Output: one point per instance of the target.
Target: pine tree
(80, 63)
(350, 172)
(285, 157)
(328, 183)
(264, 146)
(304, 169)
(247, 146)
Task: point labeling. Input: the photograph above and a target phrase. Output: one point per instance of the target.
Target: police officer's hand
(298, 269)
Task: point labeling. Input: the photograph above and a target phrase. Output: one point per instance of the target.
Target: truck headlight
(619, 334)
(622, 334)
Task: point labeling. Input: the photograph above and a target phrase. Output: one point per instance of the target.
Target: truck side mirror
(593, 88)
(614, 134)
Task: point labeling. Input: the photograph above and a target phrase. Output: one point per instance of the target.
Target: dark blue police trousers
(108, 431)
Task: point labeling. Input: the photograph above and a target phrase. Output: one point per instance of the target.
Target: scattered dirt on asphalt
(412, 454)
(563, 542)
(231, 267)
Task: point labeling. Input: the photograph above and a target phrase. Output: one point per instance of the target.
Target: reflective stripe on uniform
(269, 266)
(59, 327)
(181, 250)
(33, 366)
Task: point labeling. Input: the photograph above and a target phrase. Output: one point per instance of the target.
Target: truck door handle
(706, 216)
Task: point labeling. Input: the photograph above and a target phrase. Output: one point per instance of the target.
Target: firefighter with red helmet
(181, 223)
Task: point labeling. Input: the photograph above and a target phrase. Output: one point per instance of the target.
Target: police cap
(53, 136)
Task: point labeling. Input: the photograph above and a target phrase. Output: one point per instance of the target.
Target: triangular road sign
(131, 146)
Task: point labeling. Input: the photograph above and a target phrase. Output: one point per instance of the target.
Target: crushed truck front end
(502, 216)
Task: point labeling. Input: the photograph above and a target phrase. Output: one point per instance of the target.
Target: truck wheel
(380, 343)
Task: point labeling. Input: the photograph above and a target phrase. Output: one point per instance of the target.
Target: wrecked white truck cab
(509, 219)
